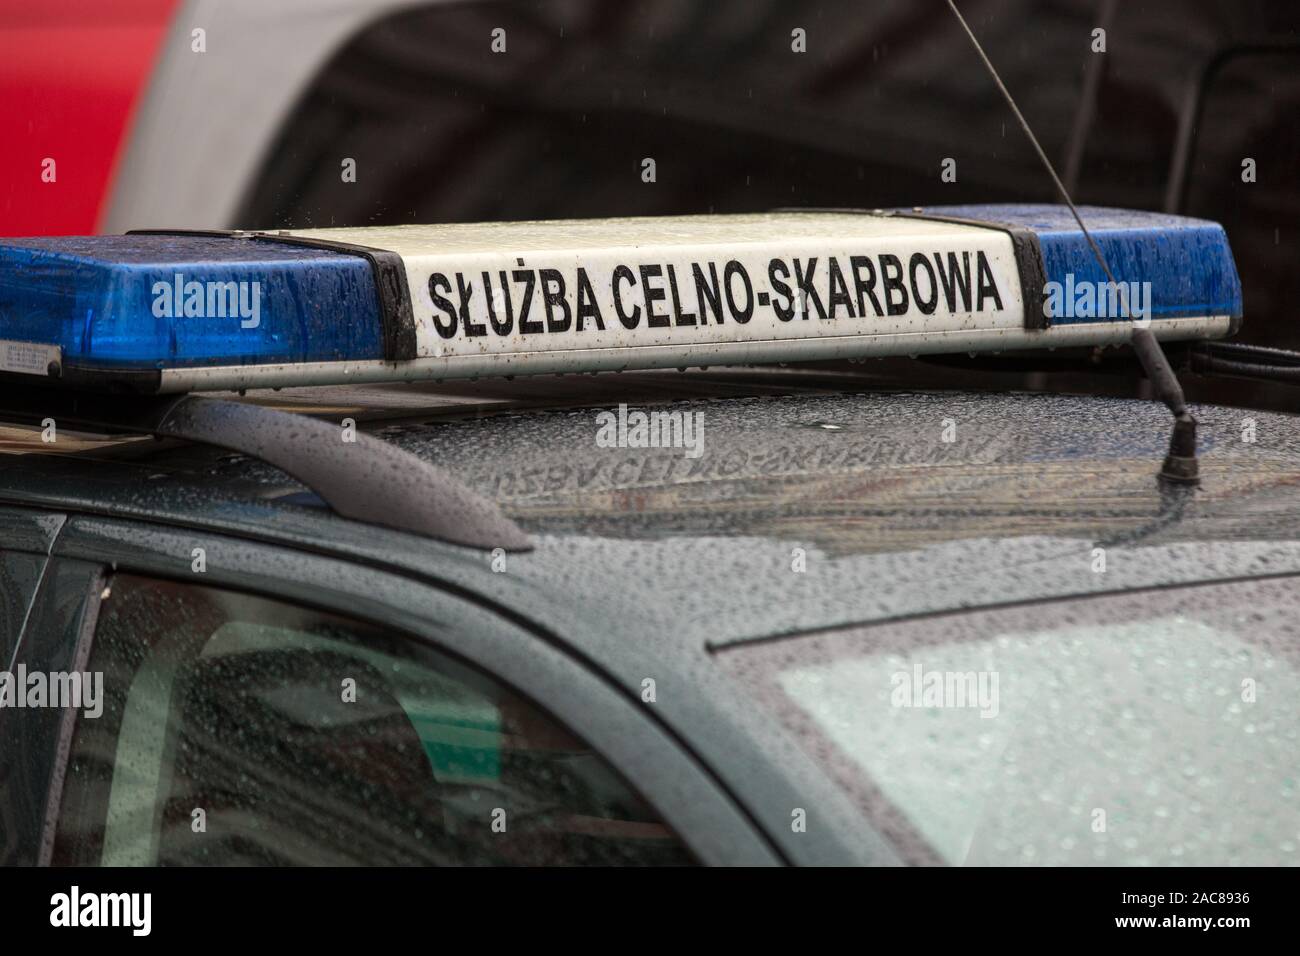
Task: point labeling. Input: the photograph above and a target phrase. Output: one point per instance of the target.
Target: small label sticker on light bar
(181, 312)
(29, 358)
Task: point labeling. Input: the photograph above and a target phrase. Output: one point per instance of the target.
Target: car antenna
(1180, 465)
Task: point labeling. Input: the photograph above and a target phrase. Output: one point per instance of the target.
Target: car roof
(862, 489)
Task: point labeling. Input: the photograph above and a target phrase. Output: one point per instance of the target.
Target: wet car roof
(876, 472)
(890, 518)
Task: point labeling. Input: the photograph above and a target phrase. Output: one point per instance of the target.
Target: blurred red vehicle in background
(71, 72)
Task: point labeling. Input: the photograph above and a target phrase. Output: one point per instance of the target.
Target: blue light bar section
(152, 302)
(1187, 261)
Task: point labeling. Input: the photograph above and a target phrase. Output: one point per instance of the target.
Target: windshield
(1154, 728)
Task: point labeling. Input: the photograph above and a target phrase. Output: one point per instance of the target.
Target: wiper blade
(1246, 361)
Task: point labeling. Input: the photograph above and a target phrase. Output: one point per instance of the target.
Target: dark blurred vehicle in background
(245, 111)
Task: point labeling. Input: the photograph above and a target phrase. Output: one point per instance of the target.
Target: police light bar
(189, 311)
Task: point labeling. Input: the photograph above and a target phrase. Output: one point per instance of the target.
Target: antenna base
(1180, 466)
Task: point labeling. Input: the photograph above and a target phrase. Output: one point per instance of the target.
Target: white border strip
(820, 348)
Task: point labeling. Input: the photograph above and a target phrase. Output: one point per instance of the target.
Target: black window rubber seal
(396, 316)
(1024, 244)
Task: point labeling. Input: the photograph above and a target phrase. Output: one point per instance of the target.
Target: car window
(1151, 728)
(242, 730)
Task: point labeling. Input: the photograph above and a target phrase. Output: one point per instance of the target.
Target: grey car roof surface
(892, 519)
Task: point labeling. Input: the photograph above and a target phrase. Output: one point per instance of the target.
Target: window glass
(241, 730)
(1153, 728)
